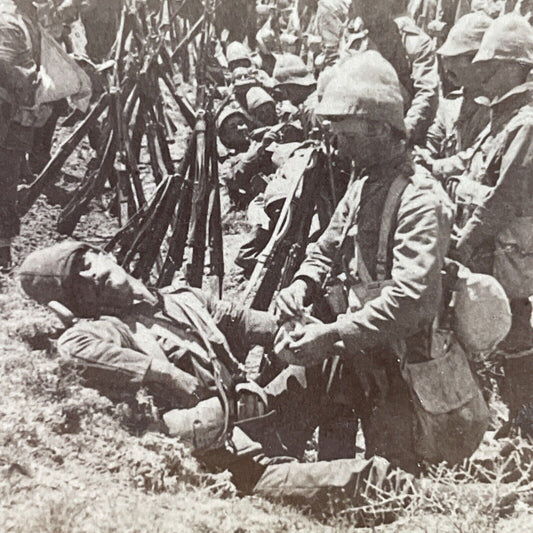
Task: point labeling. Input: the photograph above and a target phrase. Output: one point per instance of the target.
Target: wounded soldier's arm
(243, 327)
(111, 358)
(510, 196)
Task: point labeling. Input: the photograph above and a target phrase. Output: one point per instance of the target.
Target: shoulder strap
(355, 204)
(390, 209)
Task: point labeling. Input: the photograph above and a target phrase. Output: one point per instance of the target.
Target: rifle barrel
(48, 175)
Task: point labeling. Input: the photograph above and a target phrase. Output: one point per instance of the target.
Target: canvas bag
(60, 76)
(450, 414)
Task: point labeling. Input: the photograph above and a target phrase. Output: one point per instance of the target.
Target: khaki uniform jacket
(185, 330)
(19, 64)
(406, 306)
(424, 79)
(505, 218)
(458, 124)
(412, 54)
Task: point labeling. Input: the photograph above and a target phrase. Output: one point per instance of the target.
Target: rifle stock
(291, 230)
(49, 173)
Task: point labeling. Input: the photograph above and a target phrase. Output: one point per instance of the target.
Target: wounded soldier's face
(108, 286)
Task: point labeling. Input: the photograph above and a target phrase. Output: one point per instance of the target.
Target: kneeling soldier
(383, 253)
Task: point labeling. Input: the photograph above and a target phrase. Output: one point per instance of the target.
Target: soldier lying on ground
(185, 346)
(114, 352)
(293, 84)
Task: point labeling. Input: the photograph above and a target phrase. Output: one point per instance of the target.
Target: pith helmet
(237, 51)
(466, 35)
(291, 70)
(509, 38)
(364, 85)
(233, 127)
(256, 97)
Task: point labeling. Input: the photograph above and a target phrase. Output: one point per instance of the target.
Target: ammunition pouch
(336, 297)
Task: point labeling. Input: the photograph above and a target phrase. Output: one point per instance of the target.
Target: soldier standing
(497, 238)
(19, 65)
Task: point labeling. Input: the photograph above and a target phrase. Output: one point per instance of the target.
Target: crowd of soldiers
(425, 110)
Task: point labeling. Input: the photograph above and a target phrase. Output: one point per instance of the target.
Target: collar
(503, 108)
(401, 163)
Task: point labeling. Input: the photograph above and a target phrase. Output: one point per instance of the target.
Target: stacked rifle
(185, 213)
(186, 202)
(315, 189)
(131, 108)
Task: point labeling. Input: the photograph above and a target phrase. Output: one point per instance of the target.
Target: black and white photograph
(266, 266)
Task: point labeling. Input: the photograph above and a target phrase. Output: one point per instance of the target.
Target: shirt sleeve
(108, 350)
(14, 43)
(425, 78)
(412, 299)
(509, 197)
(243, 327)
(321, 255)
(18, 71)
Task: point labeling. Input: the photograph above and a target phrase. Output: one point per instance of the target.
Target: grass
(70, 462)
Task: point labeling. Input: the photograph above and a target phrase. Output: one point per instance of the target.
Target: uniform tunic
(185, 330)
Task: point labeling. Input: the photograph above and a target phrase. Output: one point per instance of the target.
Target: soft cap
(45, 275)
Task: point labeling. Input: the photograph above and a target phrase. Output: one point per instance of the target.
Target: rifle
(28, 196)
(180, 228)
(216, 252)
(278, 262)
(79, 203)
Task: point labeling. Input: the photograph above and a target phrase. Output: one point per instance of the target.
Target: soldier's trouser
(302, 404)
(42, 139)
(250, 250)
(319, 485)
(518, 366)
(10, 168)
